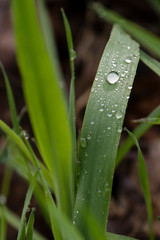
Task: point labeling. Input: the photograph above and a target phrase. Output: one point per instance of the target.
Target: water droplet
(99, 85)
(128, 60)
(83, 142)
(128, 47)
(72, 54)
(109, 114)
(109, 128)
(86, 155)
(101, 109)
(118, 115)
(112, 77)
(130, 87)
(92, 89)
(88, 136)
(119, 129)
(92, 122)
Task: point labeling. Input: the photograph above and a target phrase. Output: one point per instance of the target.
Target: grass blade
(12, 105)
(144, 183)
(30, 226)
(112, 236)
(14, 221)
(150, 62)
(101, 131)
(41, 87)
(145, 38)
(72, 114)
(26, 204)
(138, 132)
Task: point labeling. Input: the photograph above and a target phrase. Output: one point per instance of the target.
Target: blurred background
(90, 34)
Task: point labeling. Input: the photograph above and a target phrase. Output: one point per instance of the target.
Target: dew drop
(128, 60)
(88, 136)
(119, 129)
(101, 109)
(83, 142)
(92, 122)
(72, 54)
(109, 114)
(112, 77)
(130, 87)
(118, 115)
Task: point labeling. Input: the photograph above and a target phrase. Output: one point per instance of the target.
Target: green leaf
(30, 226)
(45, 100)
(138, 132)
(3, 225)
(150, 62)
(102, 126)
(144, 183)
(147, 39)
(154, 121)
(11, 102)
(72, 114)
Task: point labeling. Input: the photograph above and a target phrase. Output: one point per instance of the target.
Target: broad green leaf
(14, 221)
(150, 62)
(30, 226)
(45, 100)
(144, 183)
(21, 232)
(72, 114)
(11, 102)
(138, 132)
(147, 39)
(102, 126)
(112, 236)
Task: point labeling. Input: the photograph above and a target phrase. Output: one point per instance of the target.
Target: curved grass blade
(14, 221)
(30, 226)
(3, 225)
(112, 236)
(12, 105)
(45, 100)
(72, 114)
(144, 183)
(138, 132)
(102, 126)
(144, 37)
(150, 62)
(154, 121)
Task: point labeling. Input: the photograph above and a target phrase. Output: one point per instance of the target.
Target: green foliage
(82, 205)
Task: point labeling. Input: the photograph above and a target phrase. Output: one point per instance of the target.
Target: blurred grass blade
(3, 225)
(144, 183)
(26, 204)
(23, 231)
(155, 5)
(145, 38)
(150, 62)
(102, 126)
(154, 121)
(14, 221)
(112, 236)
(11, 102)
(138, 132)
(30, 226)
(72, 114)
(45, 100)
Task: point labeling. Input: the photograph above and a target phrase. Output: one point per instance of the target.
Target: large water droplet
(128, 60)
(118, 115)
(83, 142)
(72, 54)
(112, 77)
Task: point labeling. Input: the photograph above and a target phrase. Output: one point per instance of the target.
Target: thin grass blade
(147, 39)
(144, 183)
(30, 226)
(138, 132)
(11, 101)
(26, 204)
(45, 100)
(72, 114)
(102, 126)
(112, 236)
(150, 62)
(154, 121)
(14, 221)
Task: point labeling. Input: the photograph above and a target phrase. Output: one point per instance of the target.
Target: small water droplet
(112, 77)
(99, 85)
(92, 89)
(101, 109)
(128, 47)
(119, 129)
(72, 54)
(128, 60)
(130, 87)
(83, 142)
(109, 128)
(118, 115)
(109, 114)
(88, 136)
(92, 122)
